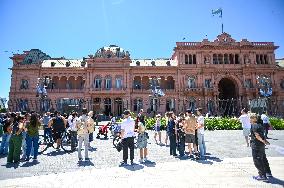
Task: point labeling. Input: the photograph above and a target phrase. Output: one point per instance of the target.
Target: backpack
(58, 124)
(82, 126)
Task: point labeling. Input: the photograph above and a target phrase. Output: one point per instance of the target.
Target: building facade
(221, 76)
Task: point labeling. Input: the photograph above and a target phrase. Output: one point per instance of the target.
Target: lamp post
(41, 92)
(156, 93)
(265, 90)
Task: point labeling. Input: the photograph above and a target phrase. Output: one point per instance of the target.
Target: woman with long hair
(32, 136)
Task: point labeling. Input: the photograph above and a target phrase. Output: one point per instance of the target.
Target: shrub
(222, 124)
(277, 123)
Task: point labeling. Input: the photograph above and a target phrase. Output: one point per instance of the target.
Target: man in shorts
(190, 124)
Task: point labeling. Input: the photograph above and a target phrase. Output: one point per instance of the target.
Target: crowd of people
(20, 139)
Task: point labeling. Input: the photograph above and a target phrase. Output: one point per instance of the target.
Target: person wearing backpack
(83, 135)
(58, 124)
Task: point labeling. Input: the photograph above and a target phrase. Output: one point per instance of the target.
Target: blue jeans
(74, 140)
(47, 133)
(32, 141)
(5, 143)
(201, 144)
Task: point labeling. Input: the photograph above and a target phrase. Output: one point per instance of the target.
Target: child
(158, 129)
(258, 143)
(142, 142)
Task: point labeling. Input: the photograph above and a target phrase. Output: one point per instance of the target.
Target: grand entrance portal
(227, 97)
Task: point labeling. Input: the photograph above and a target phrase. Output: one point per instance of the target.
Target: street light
(41, 92)
(156, 93)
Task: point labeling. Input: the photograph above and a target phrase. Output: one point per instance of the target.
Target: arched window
(118, 83)
(98, 82)
(108, 84)
(191, 82)
(226, 59)
(237, 59)
(190, 59)
(220, 58)
(215, 60)
(138, 105)
(170, 105)
(192, 104)
(186, 59)
(194, 59)
(24, 84)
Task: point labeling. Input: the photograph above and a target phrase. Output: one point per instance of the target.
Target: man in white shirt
(127, 137)
(266, 123)
(200, 133)
(245, 120)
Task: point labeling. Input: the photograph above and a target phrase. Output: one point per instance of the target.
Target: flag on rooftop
(219, 12)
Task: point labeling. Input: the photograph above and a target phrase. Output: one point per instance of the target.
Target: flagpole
(222, 28)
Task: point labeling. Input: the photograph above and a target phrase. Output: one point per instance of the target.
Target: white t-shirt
(71, 123)
(245, 120)
(128, 126)
(200, 120)
(264, 118)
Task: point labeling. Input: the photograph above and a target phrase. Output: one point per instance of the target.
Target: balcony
(145, 91)
(195, 90)
(108, 91)
(65, 90)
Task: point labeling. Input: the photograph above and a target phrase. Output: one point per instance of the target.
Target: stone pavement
(229, 164)
(228, 173)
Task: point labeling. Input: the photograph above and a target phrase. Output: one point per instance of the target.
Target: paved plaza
(229, 164)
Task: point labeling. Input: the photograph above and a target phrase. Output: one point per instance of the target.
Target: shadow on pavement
(85, 163)
(134, 167)
(29, 164)
(92, 149)
(150, 164)
(12, 165)
(204, 162)
(55, 153)
(212, 158)
(276, 181)
(3, 156)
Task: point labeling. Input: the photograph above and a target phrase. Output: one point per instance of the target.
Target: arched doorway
(107, 103)
(118, 107)
(227, 105)
(227, 89)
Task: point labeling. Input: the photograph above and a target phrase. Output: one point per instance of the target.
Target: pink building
(221, 76)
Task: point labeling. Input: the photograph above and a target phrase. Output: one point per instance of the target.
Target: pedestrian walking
(245, 120)
(127, 137)
(181, 134)
(83, 135)
(258, 142)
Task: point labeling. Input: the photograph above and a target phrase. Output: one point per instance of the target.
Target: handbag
(119, 146)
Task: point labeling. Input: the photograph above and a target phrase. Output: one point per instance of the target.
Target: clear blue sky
(147, 28)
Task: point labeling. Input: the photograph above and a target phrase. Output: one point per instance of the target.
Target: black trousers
(260, 161)
(265, 128)
(181, 146)
(128, 143)
(173, 144)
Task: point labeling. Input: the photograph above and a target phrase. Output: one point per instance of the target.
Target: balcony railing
(64, 90)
